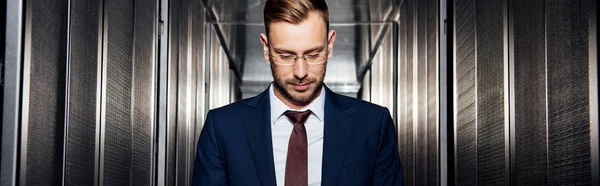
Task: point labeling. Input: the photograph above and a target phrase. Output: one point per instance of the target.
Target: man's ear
(330, 40)
(265, 43)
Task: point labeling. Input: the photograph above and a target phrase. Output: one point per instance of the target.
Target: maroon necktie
(296, 165)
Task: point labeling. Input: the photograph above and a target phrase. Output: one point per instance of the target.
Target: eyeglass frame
(296, 57)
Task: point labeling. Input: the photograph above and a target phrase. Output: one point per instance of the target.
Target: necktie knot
(297, 117)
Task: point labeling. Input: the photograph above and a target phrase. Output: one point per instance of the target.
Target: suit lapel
(258, 133)
(336, 135)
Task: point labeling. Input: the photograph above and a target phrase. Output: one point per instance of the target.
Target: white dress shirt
(281, 130)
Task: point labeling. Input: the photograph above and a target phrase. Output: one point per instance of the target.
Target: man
(298, 132)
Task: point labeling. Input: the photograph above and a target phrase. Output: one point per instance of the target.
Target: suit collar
(258, 134)
(336, 100)
(258, 99)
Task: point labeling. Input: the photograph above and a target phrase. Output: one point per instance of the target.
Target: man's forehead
(314, 22)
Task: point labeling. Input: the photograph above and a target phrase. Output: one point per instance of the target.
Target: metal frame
(442, 91)
(417, 94)
(398, 79)
(67, 93)
(213, 19)
(417, 112)
(392, 16)
(178, 93)
(400, 127)
(175, 86)
(415, 89)
(99, 92)
(154, 95)
(103, 93)
(507, 94)
(392, 69)
(200, 103)
(511, 90)
(12, 91)
(395, 61)
(162, 95)
(476, 61)
(546, 93)
(189, 105)
(207, 65)
(593, 92)
(186, 96)
(132, 97)
(454, 94)
(380, 37)
(25, 92)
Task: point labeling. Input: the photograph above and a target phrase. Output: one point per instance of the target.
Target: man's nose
(300, 68)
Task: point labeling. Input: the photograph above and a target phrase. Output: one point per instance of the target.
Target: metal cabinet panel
(567, 63)
(117, 128)
(465, 94)
(491, 113)
(530, 143)
(143, 97)
(83, 119)
(43, 117)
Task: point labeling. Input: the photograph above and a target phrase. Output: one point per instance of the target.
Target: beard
(299, 98)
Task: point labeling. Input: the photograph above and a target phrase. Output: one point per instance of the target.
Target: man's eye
(286, 56)
(312, 56)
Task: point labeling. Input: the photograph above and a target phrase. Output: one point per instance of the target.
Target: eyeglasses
(290, 59)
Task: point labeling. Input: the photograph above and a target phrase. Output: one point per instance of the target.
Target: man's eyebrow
(281, 50)
(286, 51)
(315, 49)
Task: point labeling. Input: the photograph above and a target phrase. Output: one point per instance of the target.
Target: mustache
(301, 81)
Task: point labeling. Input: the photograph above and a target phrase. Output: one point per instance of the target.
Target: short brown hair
(293, 11)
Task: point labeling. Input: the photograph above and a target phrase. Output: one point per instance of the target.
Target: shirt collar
(317, 106)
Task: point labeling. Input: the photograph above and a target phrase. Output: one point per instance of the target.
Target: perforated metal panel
(530, 93)
(80, 149)
(143, 97)
(465, 81)
(118, 128)
(491, 160)
(567, 32)
(43, 133)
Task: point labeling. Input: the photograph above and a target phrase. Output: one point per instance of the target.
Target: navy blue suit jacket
(360, 145)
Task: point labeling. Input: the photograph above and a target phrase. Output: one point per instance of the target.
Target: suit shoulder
(230, 109)
(362, 105)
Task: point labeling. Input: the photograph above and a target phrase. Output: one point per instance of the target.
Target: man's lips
(301, 86)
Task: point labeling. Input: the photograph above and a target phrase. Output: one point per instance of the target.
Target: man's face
(300, 83)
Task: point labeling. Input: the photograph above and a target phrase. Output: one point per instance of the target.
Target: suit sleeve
(388, 170)
(208, 165)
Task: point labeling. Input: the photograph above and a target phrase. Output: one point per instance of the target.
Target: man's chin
(300, 99)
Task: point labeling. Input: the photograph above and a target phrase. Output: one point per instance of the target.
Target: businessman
(298, 132)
